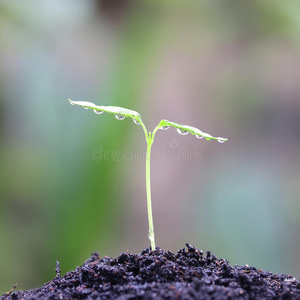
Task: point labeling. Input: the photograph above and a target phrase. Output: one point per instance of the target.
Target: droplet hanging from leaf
(182, 132)
(98, 112)
(119, 117)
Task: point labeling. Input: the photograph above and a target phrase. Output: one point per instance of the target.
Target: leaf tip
(71, 101)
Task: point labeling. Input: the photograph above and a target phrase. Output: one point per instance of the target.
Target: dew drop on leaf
(72, 103)
(181, 131)
(208, 138)
(120, 117)
(136, 122)
(221, 141)
(198, 136)
(164, 127)
(98, 112)
(85, 107)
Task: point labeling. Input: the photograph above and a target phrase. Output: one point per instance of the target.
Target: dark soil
(159, 274)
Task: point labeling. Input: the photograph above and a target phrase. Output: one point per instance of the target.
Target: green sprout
(121, 113)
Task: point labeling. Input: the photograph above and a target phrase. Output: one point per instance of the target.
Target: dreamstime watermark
(172, 153)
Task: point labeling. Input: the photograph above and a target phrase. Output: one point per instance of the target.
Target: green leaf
(185, 129)
(119, 112)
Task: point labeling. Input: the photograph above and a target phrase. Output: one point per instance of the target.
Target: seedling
(120, 114)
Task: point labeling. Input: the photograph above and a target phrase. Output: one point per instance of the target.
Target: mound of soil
(189, 274)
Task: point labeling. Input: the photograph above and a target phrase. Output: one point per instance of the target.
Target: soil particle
(189, 274)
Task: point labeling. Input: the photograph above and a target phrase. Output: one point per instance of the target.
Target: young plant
(121, 113)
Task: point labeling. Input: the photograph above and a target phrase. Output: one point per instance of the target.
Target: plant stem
(148, 188)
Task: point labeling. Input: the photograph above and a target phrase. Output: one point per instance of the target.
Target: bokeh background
(230, 68)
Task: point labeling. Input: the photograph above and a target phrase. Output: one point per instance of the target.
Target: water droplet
(207, 136)
(98, 112)
(198, 136)
(120, 117)
(85, 107)
(164, 127)
(136, 122)
(72, 103)
(181, 131)
(221, 141)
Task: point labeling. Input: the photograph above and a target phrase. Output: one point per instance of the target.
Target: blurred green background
(230, 68)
